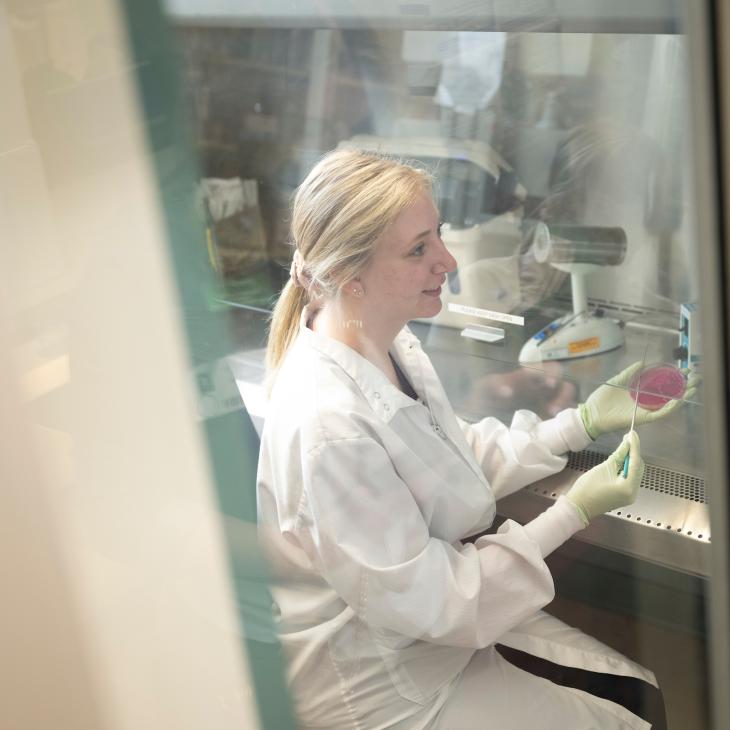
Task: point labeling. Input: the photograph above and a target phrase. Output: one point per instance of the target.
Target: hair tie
(297, 273)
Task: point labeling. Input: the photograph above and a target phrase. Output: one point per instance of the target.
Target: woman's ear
(353, 288)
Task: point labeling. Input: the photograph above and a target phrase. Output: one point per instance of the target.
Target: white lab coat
(364, 497)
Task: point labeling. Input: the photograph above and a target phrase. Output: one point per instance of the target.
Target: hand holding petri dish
(657, 384)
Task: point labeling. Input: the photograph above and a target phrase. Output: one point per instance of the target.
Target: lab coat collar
(425, 380)
(383, 397)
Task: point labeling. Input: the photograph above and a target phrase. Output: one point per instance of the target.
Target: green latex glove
(610, 407)
(604, 487)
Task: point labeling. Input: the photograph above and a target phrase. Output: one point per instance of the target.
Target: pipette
(636, 405)
(633, 419)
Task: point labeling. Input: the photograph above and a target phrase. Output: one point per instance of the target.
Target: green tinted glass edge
(230, 437)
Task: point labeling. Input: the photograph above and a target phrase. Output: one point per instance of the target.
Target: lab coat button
(377, 395)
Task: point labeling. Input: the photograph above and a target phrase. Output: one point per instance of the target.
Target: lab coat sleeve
(529, 450)
(366, 535)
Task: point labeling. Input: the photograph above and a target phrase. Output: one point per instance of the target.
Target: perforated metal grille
(656, 478)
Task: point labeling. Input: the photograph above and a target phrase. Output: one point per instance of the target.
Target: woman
(371, 483)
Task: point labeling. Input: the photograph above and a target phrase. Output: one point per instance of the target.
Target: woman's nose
(446, 263)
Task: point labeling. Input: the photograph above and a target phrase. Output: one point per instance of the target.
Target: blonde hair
(340, 211)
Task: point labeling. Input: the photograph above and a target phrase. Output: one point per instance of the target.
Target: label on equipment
(486, 314)
(591, 343)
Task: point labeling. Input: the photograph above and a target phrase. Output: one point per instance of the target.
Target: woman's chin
(431, 309)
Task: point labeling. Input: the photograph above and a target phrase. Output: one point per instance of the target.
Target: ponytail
(283, 327)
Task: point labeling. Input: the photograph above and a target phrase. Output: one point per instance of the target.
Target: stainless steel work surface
(669, 524)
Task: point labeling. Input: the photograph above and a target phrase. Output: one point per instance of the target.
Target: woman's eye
(418, 250)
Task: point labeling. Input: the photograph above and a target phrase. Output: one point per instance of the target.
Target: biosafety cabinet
(149, 156)
(576, 169)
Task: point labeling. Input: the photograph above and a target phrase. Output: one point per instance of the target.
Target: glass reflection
(561, 169)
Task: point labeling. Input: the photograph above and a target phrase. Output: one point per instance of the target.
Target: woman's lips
(432, 292)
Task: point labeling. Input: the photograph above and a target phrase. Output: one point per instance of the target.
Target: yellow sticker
(591, 343)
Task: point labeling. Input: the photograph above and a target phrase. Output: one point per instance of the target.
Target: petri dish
(657, 385)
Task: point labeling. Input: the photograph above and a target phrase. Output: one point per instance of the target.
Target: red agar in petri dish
(659, 384)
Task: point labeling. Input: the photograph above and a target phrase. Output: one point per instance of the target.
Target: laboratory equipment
(592, 115)
(656, 385)
(578, 250)
(482, 332)
(617, 128)
(631, 430)
(688, 350)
